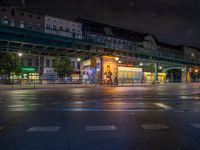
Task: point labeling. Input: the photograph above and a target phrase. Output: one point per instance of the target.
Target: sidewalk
(49, 86)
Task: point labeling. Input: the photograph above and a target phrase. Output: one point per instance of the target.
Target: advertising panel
(109, 69)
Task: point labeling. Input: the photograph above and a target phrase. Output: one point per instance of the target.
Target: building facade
(21, 19)
(61, 27)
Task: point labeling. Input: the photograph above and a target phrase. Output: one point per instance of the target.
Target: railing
(107, 42)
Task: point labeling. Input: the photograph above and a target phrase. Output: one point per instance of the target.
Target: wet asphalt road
(104, 118)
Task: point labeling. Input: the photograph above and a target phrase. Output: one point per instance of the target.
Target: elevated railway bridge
(37, 42)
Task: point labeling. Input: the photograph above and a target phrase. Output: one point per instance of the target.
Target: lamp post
(196, 74)
(20, 54)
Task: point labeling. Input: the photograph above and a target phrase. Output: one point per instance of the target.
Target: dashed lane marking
(37, 104)
(56, 103)
(164, 106)
(101, 128)
(195, 125)
(154, 126)
(43, 129)
(1, 128)
(12, 106)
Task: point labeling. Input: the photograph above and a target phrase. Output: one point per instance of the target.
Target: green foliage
(63, 66)
(9, 63)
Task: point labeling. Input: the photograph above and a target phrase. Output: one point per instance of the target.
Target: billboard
(109, 69)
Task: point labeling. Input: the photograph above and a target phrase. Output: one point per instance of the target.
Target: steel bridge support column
(39, 69)
(156, 72)
(189, 74)
(184, 74)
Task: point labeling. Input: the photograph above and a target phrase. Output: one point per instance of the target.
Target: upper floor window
(53, 62)
(38, 17)
(67, 29)
(5, 21)
(47, 62)
(29, 62)
(54, 27)
(37, 62)
(12, 22)
(61, 28)
(48, 27)
(73, 30)
(22, 14)
(13, 12)
(21, 24)
(78, 65)
(73, 64)
(30, 26)
(3, 9)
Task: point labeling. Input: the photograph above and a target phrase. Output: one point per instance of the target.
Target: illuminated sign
(109, 69)
(125, 65)
(130, 69)
(28, 69)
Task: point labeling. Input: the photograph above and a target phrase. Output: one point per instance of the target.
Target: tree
(9, 63)
(63, 66)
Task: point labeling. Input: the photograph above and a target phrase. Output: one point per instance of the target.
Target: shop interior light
(160, 67)
(117, 58)
(120, 61)
(196, 70)
(141, 64)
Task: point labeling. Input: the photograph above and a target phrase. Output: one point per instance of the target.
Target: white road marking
(37, 104)
(107, 110)
(43, 129)
(12, 106)
(195, 125)
(55, 103)
(154, 126)
(1, 128)
(164, 106)
(101, 128)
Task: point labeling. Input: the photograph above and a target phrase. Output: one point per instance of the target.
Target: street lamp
(117, 58)
(19, 54)
(78, 59)
(160, 67)
(141, 64)
(119, 61)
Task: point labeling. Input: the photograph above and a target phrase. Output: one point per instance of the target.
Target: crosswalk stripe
(44, 129)
(101, 128)
(154, 126)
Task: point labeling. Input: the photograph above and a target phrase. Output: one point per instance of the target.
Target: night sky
(172, 21)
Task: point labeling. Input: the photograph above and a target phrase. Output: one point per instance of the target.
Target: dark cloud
(174, 21)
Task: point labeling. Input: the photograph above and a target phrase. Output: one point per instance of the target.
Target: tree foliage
(9, 63)
(63, 66)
